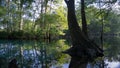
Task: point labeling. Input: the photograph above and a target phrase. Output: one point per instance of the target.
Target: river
(45, 54)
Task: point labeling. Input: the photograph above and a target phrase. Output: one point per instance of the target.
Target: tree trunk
(21, 22)
(78, 63)
(82, 50)
(21, 19)
(84, 23)
(8, 13)
(76, 35)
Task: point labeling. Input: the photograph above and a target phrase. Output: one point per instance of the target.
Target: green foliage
(48, 18)
(52, 23)
(111, 28)
(2, 11)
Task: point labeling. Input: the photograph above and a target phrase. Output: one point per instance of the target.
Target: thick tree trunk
(76, 35)
(75, 31)
(78, 63)
(82, 50)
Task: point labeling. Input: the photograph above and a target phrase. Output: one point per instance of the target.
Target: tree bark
(78, 63)
(8, 13)
(21, 19)
(75, 31)
(82, 50)
(83, 16)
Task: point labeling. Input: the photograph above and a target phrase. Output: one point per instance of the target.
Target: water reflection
(111, 53)
(45, 54)
(33, 54)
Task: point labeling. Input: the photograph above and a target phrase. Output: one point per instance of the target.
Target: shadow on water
(45, 54)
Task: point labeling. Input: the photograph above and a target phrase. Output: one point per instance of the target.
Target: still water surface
(33, 54)
(45, 54)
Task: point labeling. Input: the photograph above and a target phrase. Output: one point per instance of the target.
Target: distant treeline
(25, 35)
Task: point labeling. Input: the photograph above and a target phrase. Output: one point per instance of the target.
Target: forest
(90, 29)
(29, 19)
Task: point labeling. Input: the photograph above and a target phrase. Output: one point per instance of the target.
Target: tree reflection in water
(45, 54)
(111, 53)
(33, 54)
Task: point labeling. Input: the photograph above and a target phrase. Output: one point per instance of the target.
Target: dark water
(33, 54)
(45, 54)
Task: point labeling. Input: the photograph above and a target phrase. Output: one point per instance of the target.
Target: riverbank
(26, 35)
